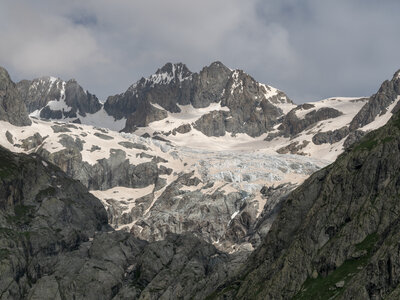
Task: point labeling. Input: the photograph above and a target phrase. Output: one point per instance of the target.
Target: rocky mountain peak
(387, 98)
(12, 108)
(54, 98)
(396, 75)
(250, 107)
(216, 67)
(170, 72)
(4, 76)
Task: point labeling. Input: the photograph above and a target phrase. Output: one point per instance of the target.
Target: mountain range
(200, 176)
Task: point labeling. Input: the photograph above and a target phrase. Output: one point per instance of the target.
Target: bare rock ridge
(379, 103)
(337, 235)
(246, 105)
(12, 107)
(57, 99)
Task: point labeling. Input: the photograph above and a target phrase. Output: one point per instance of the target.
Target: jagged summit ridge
(169, 72)
(172, 86)
(386, 99)
(53, 98)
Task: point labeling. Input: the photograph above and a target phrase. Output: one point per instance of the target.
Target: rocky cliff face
(55, 243)
(336, 236)
(57, 99)
(168, 87)
(12, 108)
(293, 125)
(379, 103)
(246, 105)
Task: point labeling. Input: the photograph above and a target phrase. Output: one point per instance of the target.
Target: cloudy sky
(311, 49)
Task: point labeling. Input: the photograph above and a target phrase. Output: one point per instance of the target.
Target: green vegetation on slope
(325, 287)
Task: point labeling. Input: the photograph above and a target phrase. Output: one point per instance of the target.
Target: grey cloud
(310, 49)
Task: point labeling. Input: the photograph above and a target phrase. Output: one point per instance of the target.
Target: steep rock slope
(386, 99)
(12, 108)
(337, 235)
(246, 106)
(51, 98)
(55, 243)
(54, 98)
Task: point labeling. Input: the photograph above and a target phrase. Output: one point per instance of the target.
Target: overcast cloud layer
(310, 49)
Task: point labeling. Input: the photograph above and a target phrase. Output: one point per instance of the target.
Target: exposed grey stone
(292, 125)
(185, 128)
(377, 103)
(94, 148)
(68, 142)
(130, 145)
(249, 110)
(159, 138)
(39, 92)
(32, 141)
(293, 148)
(103, 136)
(144, 155)
(353, 137)
(12, 107)
(212, 124)
(58, 129)
(330, 137)
(9, 137)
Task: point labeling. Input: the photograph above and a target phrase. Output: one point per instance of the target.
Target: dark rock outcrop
(213, 124)
(378, 103)
(209, 84)
(331, 136)
(12, 107)
(143, 116)
(107, 172)
(293, 148)
(185, 128)
(353, 138)
(293, 125)
(39, 92)
(168, 87)
(32, 142)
